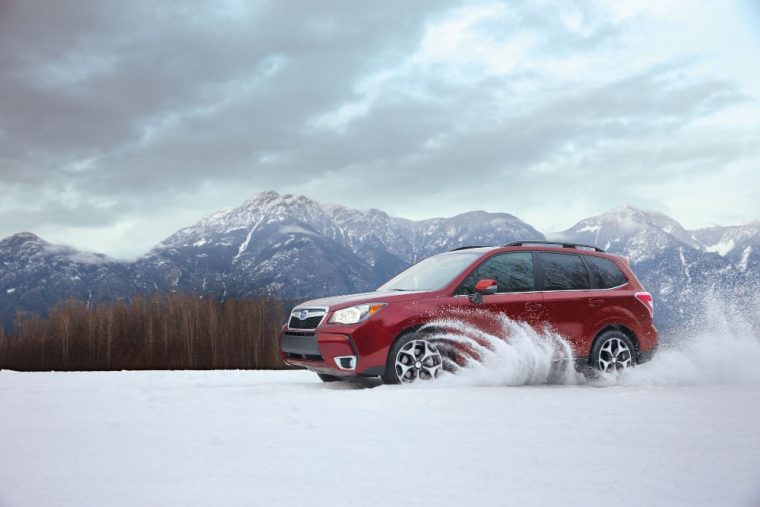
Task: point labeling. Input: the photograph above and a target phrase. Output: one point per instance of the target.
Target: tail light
(647, 299)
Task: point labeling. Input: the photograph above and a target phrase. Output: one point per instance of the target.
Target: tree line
(175, 331)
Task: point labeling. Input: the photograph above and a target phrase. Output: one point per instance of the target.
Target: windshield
(433, 273)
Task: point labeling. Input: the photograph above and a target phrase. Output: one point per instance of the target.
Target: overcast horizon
(122, 123)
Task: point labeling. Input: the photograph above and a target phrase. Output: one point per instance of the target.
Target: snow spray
(720, 345)
(512, 354)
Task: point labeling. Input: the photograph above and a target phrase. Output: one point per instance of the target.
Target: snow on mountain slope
(740, 244)
(32, 251)
(35, 274)
(473, 228)
(291, 245)
(636, 234)
(405, 239)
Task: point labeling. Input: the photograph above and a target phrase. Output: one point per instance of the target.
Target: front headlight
(355, 314)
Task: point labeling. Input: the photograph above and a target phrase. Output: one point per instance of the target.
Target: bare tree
(175, 331)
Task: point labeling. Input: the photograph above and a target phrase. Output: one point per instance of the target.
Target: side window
(513, 272)
(604, 273)
(564, 272)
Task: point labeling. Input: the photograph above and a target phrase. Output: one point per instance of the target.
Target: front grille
(312, 318)
(300, 333)
(308, 323)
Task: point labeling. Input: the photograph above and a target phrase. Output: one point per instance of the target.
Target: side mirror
(484, 287)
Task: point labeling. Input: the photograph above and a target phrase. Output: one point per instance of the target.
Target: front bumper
(340, 350)
(299, 345)
(332, 353)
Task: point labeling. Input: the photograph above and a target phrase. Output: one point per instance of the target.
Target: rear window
(604, 273)
(564, 272)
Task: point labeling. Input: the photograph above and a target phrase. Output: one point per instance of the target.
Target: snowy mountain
(639, 235)
(291, 247)
(35, 274)
(740, 244)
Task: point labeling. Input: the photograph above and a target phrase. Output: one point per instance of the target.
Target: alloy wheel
(418, 360)
(614, 355)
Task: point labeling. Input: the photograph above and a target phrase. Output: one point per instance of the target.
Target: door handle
(594, 302)
(533, 306)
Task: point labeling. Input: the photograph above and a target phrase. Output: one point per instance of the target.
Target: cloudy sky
(121, 122)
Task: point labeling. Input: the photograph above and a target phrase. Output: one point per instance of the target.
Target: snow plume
(511, 354)
(720, 345)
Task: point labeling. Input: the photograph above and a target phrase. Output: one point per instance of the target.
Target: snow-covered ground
(683, 429)
(282, 438)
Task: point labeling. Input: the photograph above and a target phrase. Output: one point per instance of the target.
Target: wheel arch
(615, 327)
(410, 330)
(390, 376)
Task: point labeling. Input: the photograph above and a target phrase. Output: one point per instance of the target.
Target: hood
(386, 296)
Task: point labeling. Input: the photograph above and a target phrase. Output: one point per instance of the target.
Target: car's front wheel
(613, 351)
(412, 358)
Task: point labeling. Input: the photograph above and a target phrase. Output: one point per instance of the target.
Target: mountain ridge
(292, 247)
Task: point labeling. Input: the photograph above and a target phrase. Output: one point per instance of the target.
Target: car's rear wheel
(328, 378)
(413, 358)
(613, 351)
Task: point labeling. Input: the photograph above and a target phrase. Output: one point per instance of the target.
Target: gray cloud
(155, 114)
(509, 147)
(130, 70)
(51, 212)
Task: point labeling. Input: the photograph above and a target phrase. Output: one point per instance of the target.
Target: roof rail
(561, 244)
(466, 248)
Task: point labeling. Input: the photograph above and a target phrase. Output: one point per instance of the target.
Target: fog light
(346, 362)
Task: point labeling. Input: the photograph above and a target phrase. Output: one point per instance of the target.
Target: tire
(412, 358)
(613, 351)
(328, 378)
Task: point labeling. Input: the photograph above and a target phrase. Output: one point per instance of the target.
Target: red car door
(567, 297)
(515, 297)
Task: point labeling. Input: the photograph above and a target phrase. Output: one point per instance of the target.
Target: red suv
(591, 298)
